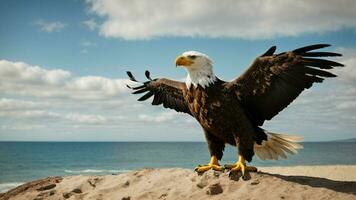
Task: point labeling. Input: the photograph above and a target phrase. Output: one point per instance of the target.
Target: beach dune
(301, 182)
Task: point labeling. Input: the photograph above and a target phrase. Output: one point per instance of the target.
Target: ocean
(24, 161)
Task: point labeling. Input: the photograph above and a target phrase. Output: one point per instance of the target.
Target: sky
(63, 64)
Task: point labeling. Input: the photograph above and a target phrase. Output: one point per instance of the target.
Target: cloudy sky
(63, 63)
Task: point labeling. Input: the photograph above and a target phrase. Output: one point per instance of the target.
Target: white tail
(277, 145)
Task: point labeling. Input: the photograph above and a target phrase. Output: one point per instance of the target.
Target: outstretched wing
(167, 92)
(273, 81)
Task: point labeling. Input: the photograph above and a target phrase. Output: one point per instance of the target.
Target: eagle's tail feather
(277, 145)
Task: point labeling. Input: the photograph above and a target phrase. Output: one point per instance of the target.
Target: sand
(302, 182)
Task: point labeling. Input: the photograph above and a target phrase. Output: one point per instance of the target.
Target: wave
(93, 171)
(4, 187)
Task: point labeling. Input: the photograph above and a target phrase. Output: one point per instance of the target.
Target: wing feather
(310, 48)
(320, 54)
(273, 81)
(146, 96)
(165, 92)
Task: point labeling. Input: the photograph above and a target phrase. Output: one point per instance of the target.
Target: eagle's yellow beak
(183, 61)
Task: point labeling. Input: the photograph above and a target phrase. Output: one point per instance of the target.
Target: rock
(126, 184)
(203, 181)
(94, 181)
(255, 182)
(47, 187)
(214, 189)
(46, 194)
(91, 182)
(77, 190)
(163, 196)
(126, 198)
(67, 195)
(31, 186)
(217, 173)
(202, 184)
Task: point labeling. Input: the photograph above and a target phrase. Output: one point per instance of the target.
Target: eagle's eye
(192, 57)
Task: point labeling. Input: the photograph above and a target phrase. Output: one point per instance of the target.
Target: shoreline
(330, 181)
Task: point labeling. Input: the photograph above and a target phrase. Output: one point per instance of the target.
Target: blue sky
(63, 64)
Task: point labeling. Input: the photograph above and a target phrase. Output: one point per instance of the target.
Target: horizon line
(155, 141)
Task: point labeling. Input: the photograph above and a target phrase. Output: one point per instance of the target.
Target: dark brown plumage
(232, 112)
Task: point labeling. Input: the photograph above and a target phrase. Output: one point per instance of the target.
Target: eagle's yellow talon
(213, 164)
(217, 167)
(240, 166)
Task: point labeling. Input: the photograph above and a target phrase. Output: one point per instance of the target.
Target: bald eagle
(233, 112)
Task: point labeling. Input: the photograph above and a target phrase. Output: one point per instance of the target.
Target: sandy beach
(300, 182)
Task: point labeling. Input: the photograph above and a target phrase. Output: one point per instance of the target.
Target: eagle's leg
(240, 165)
(213, 164)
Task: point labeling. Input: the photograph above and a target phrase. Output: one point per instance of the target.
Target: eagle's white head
(199, 67)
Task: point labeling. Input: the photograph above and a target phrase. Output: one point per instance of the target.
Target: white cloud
(22, 128)
(161, 117)
(91, 119)
(28, 114)
(348, 73)
(347, 105)
(49, 27)
(86, 43)
(97, 83)
(34, 98)
(91, 24)
(18, 78)
(9, 104)
(45, 115)
(20, 71)
(213, 18)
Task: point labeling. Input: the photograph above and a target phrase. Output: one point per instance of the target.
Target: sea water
(24, 161)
